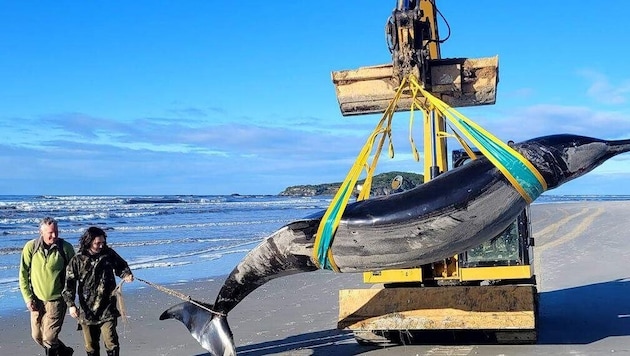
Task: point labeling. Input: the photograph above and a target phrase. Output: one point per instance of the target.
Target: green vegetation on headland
(381, 185)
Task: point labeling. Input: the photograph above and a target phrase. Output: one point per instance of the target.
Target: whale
(456, 211)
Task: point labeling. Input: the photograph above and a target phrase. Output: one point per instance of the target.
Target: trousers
(92, 335)
(47, 321)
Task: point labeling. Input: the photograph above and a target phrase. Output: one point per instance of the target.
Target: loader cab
(503, 259)
(512, 247)
(487, 293)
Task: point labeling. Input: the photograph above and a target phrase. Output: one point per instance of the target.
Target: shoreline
(583, 302)
(297, 304)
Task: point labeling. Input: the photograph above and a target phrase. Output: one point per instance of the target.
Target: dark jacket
(92, 278)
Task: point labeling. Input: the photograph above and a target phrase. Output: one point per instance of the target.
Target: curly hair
(85, 241)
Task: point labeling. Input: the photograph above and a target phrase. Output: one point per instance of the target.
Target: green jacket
(42, 273)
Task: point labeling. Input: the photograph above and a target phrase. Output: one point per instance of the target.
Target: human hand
(128, 278)
(31, 306)
(74, 312)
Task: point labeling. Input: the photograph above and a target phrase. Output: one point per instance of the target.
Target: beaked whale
(452, 213)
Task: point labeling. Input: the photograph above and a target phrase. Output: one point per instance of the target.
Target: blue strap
(327, 235)
(523, 175)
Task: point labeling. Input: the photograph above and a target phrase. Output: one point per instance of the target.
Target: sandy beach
(581, 258)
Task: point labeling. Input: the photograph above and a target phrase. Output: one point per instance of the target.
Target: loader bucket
(456, 81)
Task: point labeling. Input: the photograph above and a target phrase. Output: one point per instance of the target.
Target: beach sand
(581, 258)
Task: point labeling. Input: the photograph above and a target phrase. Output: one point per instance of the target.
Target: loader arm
(490, 288)
(413, 39)
(414, 42)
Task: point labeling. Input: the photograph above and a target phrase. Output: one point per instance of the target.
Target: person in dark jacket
(91, 275)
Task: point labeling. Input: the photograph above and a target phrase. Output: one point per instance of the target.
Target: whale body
(449, 214)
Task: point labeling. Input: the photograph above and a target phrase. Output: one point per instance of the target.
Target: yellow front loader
(490, 289)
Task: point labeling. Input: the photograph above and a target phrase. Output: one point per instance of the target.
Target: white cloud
(603, 91)
(546, 119)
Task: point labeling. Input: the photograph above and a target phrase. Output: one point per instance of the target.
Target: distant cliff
(381, 185)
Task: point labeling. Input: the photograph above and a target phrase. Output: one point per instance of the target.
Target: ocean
(165, 239)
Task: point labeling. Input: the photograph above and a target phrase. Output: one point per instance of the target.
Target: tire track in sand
(591, 215)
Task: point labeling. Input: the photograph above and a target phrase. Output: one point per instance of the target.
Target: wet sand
(581, 258)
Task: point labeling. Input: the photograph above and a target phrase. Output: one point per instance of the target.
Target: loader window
(503, 249)
(508, 248)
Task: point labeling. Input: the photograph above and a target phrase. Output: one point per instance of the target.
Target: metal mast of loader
(406, 302)
(413, 38)
(413, 41)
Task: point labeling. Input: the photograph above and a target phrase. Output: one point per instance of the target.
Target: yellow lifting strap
(322, 254)
(519, 172)
(523, 176)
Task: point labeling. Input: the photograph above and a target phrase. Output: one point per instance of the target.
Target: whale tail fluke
(210, 329)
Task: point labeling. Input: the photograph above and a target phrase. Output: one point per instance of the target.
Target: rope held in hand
(181, 296)
(120, 304)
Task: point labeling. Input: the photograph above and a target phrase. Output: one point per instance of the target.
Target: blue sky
(213, 97)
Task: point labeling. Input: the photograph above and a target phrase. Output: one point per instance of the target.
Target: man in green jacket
(42, 278)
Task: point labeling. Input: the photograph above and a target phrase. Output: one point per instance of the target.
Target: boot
(114, 352)
(51, 352)
(62, 350)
